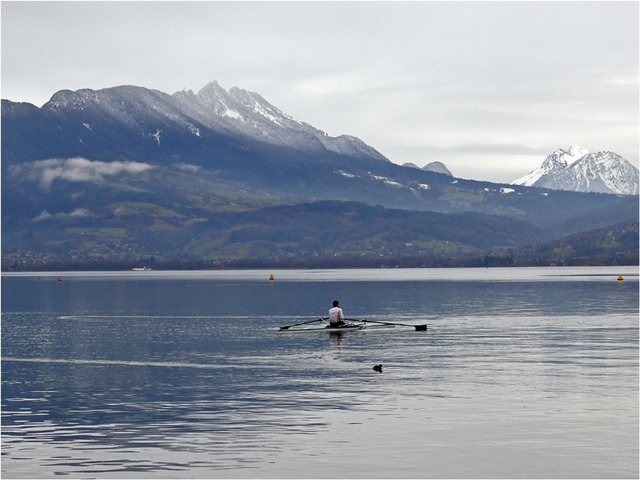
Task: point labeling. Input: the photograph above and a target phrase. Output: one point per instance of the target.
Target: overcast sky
(488, 88)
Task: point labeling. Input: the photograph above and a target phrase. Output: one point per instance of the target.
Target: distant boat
(143, 269)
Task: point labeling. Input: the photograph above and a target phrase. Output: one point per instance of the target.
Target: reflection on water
(187, 377)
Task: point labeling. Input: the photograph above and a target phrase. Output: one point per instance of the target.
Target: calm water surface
(523, 373)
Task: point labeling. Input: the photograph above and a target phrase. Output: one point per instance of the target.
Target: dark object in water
(378, 368)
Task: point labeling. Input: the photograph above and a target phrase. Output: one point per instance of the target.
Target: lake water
(522, 373)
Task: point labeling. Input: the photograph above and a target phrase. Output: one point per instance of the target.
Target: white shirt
(335, 315)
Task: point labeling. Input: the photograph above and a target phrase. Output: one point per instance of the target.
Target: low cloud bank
(77, 213)
(78, 169)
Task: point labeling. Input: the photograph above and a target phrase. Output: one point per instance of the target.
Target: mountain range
(129, 173)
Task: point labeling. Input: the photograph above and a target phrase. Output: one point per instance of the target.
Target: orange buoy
(620, 278)
(271, 277)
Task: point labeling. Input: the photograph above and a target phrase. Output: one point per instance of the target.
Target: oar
(419, 328)
(304, 323)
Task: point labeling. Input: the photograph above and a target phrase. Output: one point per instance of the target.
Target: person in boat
(336, 316)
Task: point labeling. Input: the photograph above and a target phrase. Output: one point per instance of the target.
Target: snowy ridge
(248, 113)
(135, 107)
(235, 112)
(579, 170)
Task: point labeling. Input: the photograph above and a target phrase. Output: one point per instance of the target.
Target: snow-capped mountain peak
(556, 161)
(579, 170)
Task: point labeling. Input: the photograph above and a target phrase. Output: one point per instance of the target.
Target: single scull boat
(327, 329)
(360, 324)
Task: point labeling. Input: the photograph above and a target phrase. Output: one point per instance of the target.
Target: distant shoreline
(275, 266)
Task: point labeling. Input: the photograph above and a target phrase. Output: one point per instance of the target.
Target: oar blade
(421, 328)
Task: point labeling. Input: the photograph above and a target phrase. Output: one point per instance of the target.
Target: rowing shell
(327, 329)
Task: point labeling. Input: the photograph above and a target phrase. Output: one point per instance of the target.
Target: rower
(336, 315)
